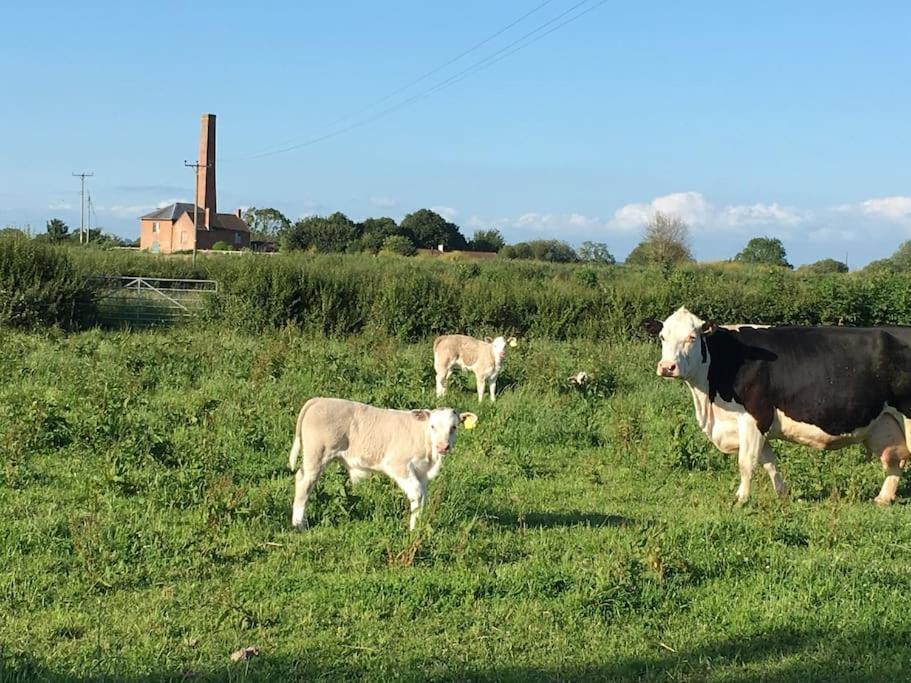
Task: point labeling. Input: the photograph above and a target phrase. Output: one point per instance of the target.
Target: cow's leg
(751, 444)
(481, 382)
(492, 382)
(767, 460)
(416, 490)
(887, 438)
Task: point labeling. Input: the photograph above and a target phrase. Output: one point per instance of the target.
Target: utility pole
(82, 176)
(195, 168)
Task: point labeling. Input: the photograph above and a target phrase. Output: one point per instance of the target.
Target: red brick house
(171, 228)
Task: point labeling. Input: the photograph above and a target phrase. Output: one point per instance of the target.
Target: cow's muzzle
(668, 369)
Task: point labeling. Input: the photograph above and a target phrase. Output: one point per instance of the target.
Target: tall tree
(427, 229)
(487, 240)
(665, 243)
(266, 224)
(57, 230)
(374, 232)
(322, 233)
(901, 259)
(768, 251)
(596, 252)
(554, 251)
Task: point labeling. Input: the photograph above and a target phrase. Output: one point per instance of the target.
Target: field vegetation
(575, 534)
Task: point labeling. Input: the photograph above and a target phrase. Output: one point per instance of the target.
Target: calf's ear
(709, 328)
(422, 415)
(489, 340)
(468, 419)
(653, 327)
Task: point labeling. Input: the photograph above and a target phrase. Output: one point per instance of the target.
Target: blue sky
(777, 118)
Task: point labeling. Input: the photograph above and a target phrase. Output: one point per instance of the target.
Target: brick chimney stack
(205, 198)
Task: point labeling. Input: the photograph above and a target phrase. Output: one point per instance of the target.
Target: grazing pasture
(578, 533)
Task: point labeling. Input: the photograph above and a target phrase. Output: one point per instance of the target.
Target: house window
(238, 238)
(155, 226)
(183, 236)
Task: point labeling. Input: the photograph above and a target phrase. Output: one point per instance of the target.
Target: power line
(82, 176)
(423, 76)
(490, 60)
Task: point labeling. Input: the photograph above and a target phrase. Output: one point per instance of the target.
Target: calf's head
(683, 347)
(499, 345)
(442, 425)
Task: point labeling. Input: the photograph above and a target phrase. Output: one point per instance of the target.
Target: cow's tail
(297, 445)
(906, 425)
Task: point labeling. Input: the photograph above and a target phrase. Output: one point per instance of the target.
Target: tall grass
(412, 298)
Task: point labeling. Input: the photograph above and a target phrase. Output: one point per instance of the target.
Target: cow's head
(442, 425)
(683, 347)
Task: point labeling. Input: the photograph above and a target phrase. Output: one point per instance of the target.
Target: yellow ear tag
(513, 343)
(471, 422)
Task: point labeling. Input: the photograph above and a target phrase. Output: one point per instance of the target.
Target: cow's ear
(653, 327)
(489, 340)
(422, 415)
(709, 328)
(468, 419)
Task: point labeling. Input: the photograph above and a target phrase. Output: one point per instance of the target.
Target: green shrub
(39, 285)
(398, 244)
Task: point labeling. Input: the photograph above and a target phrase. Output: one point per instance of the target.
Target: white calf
(484, 358)
(406, 445)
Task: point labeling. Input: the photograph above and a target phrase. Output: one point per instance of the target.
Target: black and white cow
(824, 387)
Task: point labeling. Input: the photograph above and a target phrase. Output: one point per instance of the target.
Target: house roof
(228, 221)
(171, 212)
(222, 221)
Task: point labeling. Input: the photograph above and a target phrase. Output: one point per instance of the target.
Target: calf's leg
(310, 470)
(443, 371)
(416, 490)
(481, 382)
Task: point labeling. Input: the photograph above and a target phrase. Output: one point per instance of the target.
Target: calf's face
(683, 347)
(442, 425)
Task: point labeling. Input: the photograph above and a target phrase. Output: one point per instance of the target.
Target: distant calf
(406, 445)
(484, 358)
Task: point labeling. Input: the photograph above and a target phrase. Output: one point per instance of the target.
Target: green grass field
(145, 529)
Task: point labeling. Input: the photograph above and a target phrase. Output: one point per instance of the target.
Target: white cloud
(446, 212)
(893, 208)
(763, 214)
(167, 202)
(385, 202)
(60, 206)
(690, 206)
(702, 214)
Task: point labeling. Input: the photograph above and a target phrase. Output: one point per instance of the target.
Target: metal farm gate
(128, 300)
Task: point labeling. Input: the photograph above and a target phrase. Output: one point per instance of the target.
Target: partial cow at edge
(823, 387)
(483, 357)
(406, 445)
